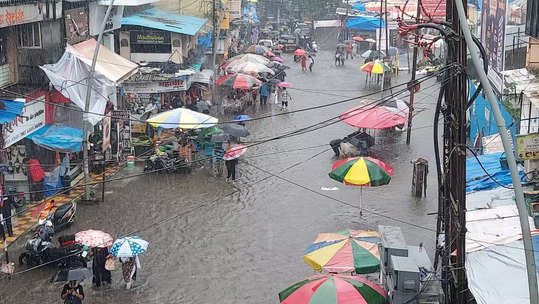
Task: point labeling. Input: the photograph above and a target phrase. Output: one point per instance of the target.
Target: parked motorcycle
(61, 218)
(166, 164)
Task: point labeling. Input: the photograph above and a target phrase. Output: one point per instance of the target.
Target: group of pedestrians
(304, 62)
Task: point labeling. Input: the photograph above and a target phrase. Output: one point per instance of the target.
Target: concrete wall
(52, 48)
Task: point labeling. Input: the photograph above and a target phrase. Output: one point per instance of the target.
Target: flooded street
(216, 242)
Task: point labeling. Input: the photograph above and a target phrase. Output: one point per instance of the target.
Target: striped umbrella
(345, 251)
(334, 289)
(361, 171)
(238, 81)
(235, 152)
(250, 68)
(182, 118)
(128, 247)
(375, 67)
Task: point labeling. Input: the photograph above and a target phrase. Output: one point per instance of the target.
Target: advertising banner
(528, 146)
(106, 132)
(493, 21)
(149, 37)
(157, 86)
(31, 119)
(20, 14)
(234, 9)
(97, 14)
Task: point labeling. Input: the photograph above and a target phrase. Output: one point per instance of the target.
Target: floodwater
(215, 242)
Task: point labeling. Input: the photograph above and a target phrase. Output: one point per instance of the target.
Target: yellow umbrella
(375, 67)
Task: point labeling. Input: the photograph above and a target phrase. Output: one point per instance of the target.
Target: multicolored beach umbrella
(182, 118)
(375, 67)
(362, 171)
(345, 251)
(334, 289)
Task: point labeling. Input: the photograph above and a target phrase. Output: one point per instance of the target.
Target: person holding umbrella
(127, 250)
(72, 293)
(230, 166)
(303, 63)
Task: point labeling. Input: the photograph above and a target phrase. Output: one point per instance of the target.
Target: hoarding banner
(156, 86)
(149, 37)
(20, 14)
(528, 146)
(31, 119)
(234, 8)
(493, 23)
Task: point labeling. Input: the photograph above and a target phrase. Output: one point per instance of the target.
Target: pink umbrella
(388, 115)
(278, 59)
(93, 238)
(284, 84)
(235, 152)
(269, 54)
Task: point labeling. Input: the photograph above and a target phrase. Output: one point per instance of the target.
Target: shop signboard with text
(528, 146)
(20, 14)
(493, 21)
(173, 85)
(149, 37)
(31, 119)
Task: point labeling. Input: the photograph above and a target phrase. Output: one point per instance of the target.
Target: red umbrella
(93, 238)
(238, 81)
(357, 38)
(284, 84)
(300, 52)
(383, 116)
(235, 152)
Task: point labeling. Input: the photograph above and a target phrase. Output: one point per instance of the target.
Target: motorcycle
(167, 163)
(61, 218)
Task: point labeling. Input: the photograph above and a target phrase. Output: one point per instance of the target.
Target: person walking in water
(304, 63)
(349, 51)
(311, 63)
(284, 99)
(264, 93)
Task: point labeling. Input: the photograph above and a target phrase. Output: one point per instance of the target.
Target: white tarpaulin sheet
(70, 77)
(490, 198)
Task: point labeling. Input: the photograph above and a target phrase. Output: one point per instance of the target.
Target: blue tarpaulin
(359, 6)
(9, 109)
(205, 41)
(482, 121)
(58, 138)
(477, 179)
(158, 19)
(364, 23)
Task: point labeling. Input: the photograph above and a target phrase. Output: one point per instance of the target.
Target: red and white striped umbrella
(93, 238)
(235, 152)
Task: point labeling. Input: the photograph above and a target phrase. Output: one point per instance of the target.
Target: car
(266, 42)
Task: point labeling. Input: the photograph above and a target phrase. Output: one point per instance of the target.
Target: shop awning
(203, 76)
(364, 23)
(111, 65)
(9, 109)
(58, 138)
(170, 22)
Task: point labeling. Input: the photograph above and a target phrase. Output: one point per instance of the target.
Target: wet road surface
(214, 242)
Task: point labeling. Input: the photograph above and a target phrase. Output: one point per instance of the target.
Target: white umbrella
(128, 247)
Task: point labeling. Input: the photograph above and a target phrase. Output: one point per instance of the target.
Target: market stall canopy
(203, 76)
(170, 22)
(364, 23)
(387, 115)
(58, 138)
(9, 109)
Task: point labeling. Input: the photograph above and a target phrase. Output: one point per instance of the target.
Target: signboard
(493, 38)
(234, 9)
(76, 24)
(31, 119)
(106, 132)
(20, 14)
(157, 86)
(149, 37)
(124, 132)
(327, 23)
(528, 146)
(97, 14)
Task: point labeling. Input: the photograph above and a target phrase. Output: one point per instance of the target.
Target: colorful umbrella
(235, 152)
(300, 52)
(284, 85)
(357, 38)
(128, 247)
(390, 114)
(247, 58)
(334, 289)
(93, 238)
(345, 251)
(257, 49)
(182, 118)
(238, 81)
(250, 68)
(278, 59)
(361, 171)
(242, 118)
(375, 67)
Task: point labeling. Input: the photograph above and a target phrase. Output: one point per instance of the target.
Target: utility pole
(346, 31)
(412, 86)
(507, 145)
(387, 28)
(87, 105)
(213, 50)
(380, 33)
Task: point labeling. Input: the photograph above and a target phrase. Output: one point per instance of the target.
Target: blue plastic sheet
(10, 110)
(359, 6)
(477, 179)
(170, 22)
(58, 138)
(364, 23)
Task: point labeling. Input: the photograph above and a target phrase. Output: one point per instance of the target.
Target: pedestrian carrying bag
(110, 264)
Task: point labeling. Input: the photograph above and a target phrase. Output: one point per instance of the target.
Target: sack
(110, 264)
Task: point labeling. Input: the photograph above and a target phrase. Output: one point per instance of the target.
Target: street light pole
(87, 105)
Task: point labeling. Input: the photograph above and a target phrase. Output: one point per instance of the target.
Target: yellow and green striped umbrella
(362, 171)
(182, 118)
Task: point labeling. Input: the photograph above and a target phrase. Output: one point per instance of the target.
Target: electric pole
(380, 33)
(85, 122)
(386, 27)
(213, 51)
(412, 86)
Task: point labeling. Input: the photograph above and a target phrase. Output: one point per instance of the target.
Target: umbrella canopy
(220, 137)
(247, 58)
(278, 59)
(250, 68)
(72, 274)
(345, 251)
(372, 53)
(300, 52)
(257, 49)
(182, 118)
(128, 247)
(242, 117)
(93, 238)
(388, 115)
(284, 85)
(370, 40)
(357, 38)
(375, 67)
(235, 152)
(334, 289)
(236, 130)
(239, 81)
(362, 171)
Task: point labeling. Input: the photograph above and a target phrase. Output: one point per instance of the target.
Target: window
(30, 35)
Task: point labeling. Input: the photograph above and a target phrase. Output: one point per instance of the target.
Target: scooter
(61, 218)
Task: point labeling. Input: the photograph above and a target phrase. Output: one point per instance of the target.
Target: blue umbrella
(128, 247)
(242, 118)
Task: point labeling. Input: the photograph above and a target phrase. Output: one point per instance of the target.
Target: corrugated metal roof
(157, 19)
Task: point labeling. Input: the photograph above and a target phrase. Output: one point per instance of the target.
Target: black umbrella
(236, 130)
(220, 137)
(72, 274)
